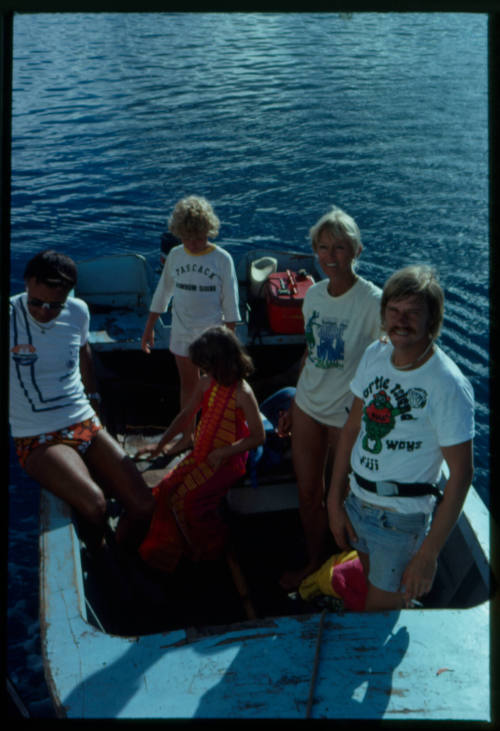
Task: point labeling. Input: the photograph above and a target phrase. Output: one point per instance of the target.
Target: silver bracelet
(96, 396)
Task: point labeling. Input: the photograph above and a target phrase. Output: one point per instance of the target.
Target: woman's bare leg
(310, 443)
(119, 477)
(189, 375)
(61, 470)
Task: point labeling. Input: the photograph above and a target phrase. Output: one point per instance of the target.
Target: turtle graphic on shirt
(380, 418)
(325, 341)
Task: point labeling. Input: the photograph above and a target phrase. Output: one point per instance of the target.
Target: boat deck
(419, 664)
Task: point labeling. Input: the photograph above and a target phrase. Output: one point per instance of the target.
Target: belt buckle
(387, 489)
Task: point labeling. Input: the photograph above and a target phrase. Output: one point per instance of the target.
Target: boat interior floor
(126, 597)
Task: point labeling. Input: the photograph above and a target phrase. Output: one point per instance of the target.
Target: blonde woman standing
(341, 315)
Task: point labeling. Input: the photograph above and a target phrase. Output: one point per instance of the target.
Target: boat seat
(120, 280)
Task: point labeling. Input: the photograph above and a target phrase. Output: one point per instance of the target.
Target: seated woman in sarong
(186, 519)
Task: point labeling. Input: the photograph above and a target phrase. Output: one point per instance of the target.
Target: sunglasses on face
(56, 306)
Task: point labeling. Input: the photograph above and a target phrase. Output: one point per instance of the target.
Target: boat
(221, 639)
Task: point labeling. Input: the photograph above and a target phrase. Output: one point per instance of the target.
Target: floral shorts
(79, 436)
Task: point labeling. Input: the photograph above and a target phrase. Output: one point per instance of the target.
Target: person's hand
(217, 457)
(418, 577)
(341, 527)
(148, 341)
(153, 451)
(284, 428)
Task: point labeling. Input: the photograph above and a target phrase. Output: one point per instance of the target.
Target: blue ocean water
(273, 117)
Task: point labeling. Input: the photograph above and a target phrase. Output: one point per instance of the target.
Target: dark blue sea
(274, 118)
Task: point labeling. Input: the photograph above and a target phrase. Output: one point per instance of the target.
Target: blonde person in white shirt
(200, 278)
(341, 315)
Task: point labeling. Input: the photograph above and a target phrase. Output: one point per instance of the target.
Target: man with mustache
(396, 440)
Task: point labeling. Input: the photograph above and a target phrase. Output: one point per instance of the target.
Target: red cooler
(285, 295)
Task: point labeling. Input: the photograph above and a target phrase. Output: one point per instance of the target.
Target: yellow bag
(320, 582)
(341, 576)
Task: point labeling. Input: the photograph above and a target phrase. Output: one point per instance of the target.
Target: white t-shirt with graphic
(338, 330)
(46, 389)
(407, 417)
(204, 288)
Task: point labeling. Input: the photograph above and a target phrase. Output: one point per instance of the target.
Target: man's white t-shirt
(407, 417)
(338, 330)
(204, 288)
(46, 389)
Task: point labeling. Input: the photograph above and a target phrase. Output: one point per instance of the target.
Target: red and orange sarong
(186, 519)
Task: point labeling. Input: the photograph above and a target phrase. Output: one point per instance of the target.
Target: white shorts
(180, 346)
(180, 342)
(336, 418)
